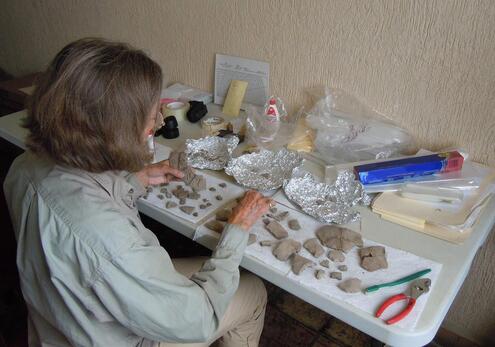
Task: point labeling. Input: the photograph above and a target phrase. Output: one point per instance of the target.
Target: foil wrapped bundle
(265, 170)
(327, 203)
(211, 152)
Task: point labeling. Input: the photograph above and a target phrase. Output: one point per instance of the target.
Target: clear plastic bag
(347, 130)
(269, 131)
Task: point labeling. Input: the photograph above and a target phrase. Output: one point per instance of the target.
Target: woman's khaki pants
(242, 323)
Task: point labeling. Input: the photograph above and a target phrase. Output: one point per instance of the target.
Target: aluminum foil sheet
(328, 203)
(265, 170)
(211, 152)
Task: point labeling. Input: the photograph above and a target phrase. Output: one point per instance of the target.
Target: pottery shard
(251, 239)
(188, 175)
(193, 195)
(170, 204)
(198, 183)
(214, 225)
(373, 258)
(314, 247)
(299, 263)
(223, 215)
(180, 193)
(273, 210)
(223, 184)
(294, 224)
(339, 238)
(266, 221)
(319, 274)
(282, 215)
(187, 209)
(268, 243)
(352, 285)
(336, 275)
(277, 230)
(342, 268)
(173, 159)
(336, 256)
(284, 249)
(325, 263)
(182, 165)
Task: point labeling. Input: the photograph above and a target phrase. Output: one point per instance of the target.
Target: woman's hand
(249, 209)
(158, 173)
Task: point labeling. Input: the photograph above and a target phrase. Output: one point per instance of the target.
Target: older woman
(90, 272)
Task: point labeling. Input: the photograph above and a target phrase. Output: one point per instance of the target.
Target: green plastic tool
(397, 282)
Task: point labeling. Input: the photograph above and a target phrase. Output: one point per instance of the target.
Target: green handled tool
(397, 282)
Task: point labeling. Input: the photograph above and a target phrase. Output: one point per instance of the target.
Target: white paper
(400, 263)
(256, 73)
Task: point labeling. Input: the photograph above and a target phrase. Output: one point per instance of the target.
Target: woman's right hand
(252, 206)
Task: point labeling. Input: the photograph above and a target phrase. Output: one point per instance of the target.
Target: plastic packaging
(269, 127)
(347, 130)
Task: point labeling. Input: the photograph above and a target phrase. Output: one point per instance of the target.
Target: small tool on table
(397, 282)
(417, 288)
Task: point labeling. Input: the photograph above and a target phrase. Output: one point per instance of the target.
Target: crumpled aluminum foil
(265, 170)
(328, 203)
(211, 152)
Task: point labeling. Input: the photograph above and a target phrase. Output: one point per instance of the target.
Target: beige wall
(428, 65)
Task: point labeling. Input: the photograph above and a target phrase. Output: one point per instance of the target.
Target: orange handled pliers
(417, 288)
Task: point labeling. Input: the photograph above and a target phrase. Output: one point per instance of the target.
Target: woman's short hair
(90, 107)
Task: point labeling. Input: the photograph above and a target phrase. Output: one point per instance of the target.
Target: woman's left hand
(158, 173)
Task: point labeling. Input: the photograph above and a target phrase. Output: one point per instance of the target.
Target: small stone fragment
(219, 197)
(202, 207)
(223, 215)
(294, 224)
(268, 243)
(319, 274)
(160, 196)
(314, 247)
(187, 209)
(277, 230)
(170, 204)
(373, 258)
(163, 190)
(223, 184)
(336, 275)
(168, 195)
(182, 201)
(205, 200)
(212, 189)
(325, 263)
(342, 268)
(266, 221)
(208, 204)
(299, 263)
(145, 197)
(282, 215)
(195, 214)
(336, 256)
(339, 238)
(352, 285)
(215, 226)
(273, 210)
(251, 239)
(284, 249)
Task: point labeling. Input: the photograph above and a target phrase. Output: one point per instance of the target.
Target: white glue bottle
(272, 120)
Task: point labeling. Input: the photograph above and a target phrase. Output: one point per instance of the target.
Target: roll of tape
(178, 109)
(212, 125)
